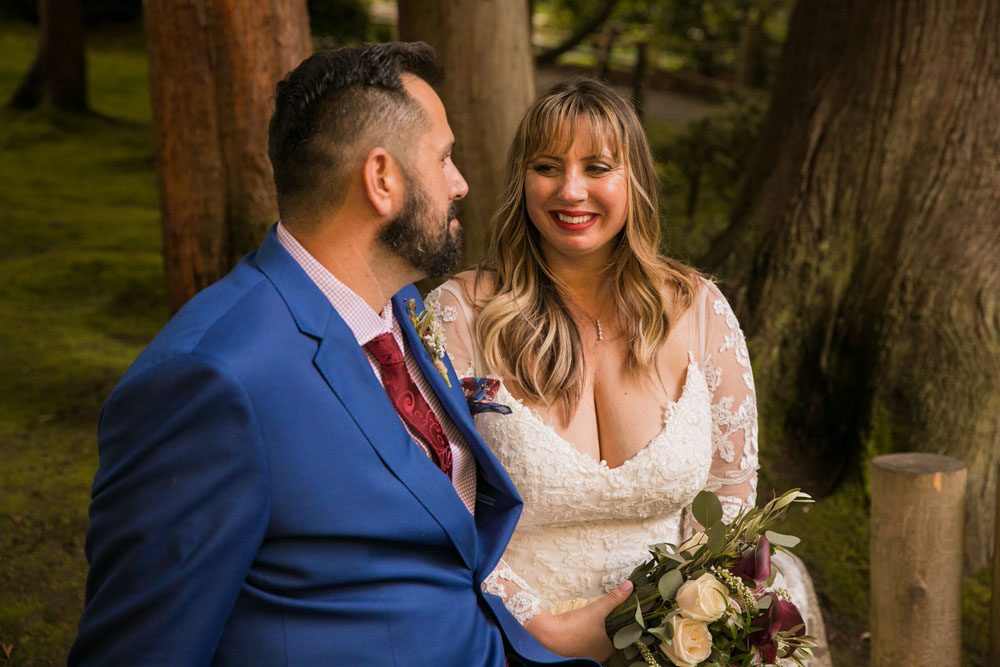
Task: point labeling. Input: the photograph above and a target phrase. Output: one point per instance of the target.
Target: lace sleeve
(519, 598)
(456, 319)
(733, 477)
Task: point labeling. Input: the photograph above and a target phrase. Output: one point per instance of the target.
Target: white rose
(691, 644)
(703, 599)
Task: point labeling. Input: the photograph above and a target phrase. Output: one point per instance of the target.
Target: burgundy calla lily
(755, 565)
(781, 616)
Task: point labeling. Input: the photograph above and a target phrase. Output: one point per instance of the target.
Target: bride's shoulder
(683, 296)
(478, 285)
(473, 287)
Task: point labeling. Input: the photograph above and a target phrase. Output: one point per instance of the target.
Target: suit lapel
(498, 504)
(344, 366)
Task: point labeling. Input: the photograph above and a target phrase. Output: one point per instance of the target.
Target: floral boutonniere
(429, 329)
(479, 394)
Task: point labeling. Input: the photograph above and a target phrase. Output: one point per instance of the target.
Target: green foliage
(701, 167)
(83, 291)
(339, 21)
(693, 35)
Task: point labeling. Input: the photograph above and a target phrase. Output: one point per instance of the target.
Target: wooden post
(995, 615)
(917, 523)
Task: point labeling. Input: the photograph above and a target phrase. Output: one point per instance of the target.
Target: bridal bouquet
(710, 602)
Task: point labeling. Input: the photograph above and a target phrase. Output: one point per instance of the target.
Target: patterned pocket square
(480, 392)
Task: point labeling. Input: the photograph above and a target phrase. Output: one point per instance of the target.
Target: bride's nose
(573, 187)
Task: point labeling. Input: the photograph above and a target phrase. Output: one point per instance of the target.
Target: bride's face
(577, 199)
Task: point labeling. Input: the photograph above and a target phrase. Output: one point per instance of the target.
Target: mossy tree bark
(59, 74)
(212, 70)
(488, 83)
(864, 251)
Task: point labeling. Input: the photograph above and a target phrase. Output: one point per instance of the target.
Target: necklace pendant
(600, 332)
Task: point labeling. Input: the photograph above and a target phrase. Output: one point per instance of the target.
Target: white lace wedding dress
(585, 526)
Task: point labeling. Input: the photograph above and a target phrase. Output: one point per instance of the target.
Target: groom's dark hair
(332, 109)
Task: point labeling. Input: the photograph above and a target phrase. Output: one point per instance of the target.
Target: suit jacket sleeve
(179, 509)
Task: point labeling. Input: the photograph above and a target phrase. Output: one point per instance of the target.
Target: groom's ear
(382, 180)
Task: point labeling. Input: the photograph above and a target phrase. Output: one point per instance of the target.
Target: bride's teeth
(573, 219)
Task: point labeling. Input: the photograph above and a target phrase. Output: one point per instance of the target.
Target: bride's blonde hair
(526, 330)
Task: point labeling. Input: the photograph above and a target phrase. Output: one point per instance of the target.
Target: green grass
(82, 291)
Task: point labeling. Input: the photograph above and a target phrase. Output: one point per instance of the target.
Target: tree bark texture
(213, 65)
(864, 250)
(488, 84)
(918, 503)
(59, 73)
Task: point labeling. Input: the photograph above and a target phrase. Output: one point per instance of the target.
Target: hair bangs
(552, 127)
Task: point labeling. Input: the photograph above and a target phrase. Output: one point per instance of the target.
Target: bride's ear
(382, 180)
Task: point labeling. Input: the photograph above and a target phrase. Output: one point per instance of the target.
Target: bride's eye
(599, 168)
(543, 168)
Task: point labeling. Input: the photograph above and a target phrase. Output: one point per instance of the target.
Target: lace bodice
(585, 526)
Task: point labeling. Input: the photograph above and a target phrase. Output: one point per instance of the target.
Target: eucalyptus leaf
(639, 664)
(764, 602)
(669, 583)
(774, 575)
(781, 540)
(645, 590)
(659, 633)
(716, 537)
(631, 651)
(627, 636)
(706, 508)
(638, 616)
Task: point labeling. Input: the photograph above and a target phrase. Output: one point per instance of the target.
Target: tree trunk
(863, 251)
(59, 73)
(212, 70)
(488, 84)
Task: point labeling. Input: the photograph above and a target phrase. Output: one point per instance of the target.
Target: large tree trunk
(488, 83)
(212, 70)
(59, 73)
(864, 252)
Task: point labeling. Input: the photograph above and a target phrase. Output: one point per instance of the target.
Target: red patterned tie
(407, 399)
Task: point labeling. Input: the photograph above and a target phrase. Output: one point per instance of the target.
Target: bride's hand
(579, 633)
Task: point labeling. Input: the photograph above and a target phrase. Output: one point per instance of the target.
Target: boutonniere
(479, 394)
(429, 329)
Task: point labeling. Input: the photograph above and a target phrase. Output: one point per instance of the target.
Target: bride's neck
(585, 285)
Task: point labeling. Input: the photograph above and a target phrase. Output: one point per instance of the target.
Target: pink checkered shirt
(365, 323)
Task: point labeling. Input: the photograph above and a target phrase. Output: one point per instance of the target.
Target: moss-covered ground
(81, 291)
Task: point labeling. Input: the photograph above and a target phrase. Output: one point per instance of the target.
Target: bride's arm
(576, 633)
(733, 476)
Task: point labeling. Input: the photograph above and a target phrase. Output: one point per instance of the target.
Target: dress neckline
(669, 410)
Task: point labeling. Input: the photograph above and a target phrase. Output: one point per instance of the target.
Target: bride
(626, 374)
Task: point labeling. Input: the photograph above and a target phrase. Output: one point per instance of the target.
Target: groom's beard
(423, 239)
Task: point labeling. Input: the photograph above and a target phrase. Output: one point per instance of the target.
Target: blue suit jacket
(259, 502)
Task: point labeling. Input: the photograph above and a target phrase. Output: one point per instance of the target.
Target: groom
(285, 476)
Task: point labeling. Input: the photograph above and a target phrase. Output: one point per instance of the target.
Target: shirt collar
(364, 322)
